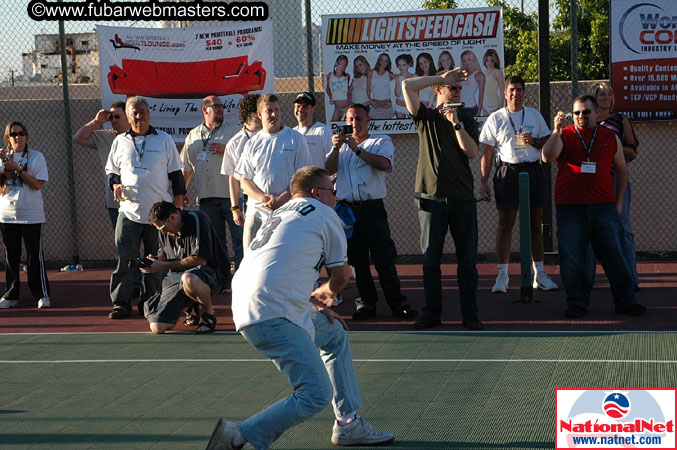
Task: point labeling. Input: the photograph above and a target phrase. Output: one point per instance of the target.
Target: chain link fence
(78, 226)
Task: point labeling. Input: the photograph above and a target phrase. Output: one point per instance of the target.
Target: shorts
(166, 306)
(506, 185)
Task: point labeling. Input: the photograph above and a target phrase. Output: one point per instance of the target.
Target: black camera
(345, 129)
(139, 263)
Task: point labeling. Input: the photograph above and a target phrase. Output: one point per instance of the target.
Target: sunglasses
(18, 133)
(333, 191)
(455, 88)
(216, 106)
(114, 116)
(585, 112)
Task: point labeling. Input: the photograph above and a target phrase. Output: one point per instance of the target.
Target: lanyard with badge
(519, 141)
(139, 170)
(588, 166)
(202, 155)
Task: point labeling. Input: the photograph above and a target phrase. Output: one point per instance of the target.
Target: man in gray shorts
(197, 267)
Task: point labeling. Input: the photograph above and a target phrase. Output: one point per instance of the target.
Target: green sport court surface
(433, 390)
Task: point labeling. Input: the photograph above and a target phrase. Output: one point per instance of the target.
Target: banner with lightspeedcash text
(175, 68)
(365, 58)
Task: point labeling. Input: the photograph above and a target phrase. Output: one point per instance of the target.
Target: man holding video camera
(361, 162)
(143, 167)
(444, 184)
(197, 266)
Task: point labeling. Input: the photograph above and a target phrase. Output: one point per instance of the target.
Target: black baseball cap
(305, 97)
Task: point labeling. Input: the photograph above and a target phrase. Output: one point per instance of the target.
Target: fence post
(309, 48)
(574, 48)
(69, 143)
(544, 100)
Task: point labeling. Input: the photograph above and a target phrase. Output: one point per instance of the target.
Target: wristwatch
(358, 152)
(458, 126)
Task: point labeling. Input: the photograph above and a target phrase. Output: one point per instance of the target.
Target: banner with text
(366, 58)
(175, 68)
(644, 58)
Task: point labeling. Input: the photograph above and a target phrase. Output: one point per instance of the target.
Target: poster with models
(175, 68)
(644, 59)
(365, 58)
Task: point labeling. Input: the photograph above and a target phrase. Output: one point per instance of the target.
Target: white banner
(366, 57)
(175, 68)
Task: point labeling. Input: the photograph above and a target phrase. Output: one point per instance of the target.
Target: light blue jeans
(317, 378)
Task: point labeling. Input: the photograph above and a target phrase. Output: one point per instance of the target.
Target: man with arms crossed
(272, 311)
(519, 132)
(267, 163)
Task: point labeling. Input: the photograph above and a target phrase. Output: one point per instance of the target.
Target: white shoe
(501, 284)
(222, 436)
(44, 303)
(543, 282)
(337, 300)
(6, 303)
(359, 432)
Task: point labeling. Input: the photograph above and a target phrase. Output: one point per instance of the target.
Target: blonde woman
(494, 85)
(359, 91)
(473, 87)
(338, 83)
(23, 172)
(381, 77)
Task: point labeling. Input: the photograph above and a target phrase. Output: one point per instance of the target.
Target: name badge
(140, 171)
(518, 142)
(588, 167)
(202, 156)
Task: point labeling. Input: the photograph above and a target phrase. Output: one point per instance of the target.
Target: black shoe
(574, 312)
(632, 310)
(427, 322)
(473, 323)
(118, 314)
(406, 312)
(364, 314)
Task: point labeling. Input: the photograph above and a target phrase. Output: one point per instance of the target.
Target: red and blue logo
(616, 405)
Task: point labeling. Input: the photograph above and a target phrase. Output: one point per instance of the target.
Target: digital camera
(139, 263)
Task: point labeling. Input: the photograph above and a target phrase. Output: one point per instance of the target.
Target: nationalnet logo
(615, 418)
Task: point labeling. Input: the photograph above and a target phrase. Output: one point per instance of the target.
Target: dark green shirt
(443, 168)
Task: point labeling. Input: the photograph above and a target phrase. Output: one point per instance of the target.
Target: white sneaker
(7, 303)
(222, 436)
(44, 303)
(543, 282)
(359, 432)
(501, 283)
(337, 300)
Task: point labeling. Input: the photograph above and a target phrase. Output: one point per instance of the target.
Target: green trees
(521, 39)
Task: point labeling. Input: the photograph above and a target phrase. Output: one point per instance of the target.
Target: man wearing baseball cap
(317, 134)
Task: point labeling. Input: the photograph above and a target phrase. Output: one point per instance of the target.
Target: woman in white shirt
(23, 172)
(381, 92)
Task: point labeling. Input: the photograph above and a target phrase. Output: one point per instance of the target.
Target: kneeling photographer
(197, 266)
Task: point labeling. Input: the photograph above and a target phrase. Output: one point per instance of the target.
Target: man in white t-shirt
(361, 163)
(91, 137)
(143, 168)
(251, 124)
(267, 163)
(518, 132)
(202, 156)
(272, 311)
(317, 134)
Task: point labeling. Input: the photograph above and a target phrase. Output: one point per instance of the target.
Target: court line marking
(430, 332)
(566, 361)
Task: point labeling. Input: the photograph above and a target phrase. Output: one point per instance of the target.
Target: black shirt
(443, 168)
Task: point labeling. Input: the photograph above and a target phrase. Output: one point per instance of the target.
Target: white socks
(503, 269)
(346, 419)
(538, 267)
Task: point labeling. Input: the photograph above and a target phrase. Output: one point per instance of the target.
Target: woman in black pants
(23, 172)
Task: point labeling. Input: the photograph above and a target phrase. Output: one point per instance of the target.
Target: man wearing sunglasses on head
(588, 212)
(90, 136)
(516, 132)
(444, 188)
(202, 157)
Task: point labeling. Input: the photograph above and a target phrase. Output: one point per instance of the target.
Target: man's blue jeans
(218, 210)
(317, 377)
(128, 237)
(460, 218)
(578, 226)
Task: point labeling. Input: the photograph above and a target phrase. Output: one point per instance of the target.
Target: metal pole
(69, 143)
(574, 49)
(544, 99)
(309, 48)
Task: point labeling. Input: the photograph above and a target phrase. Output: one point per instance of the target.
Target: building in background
(43, 64)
